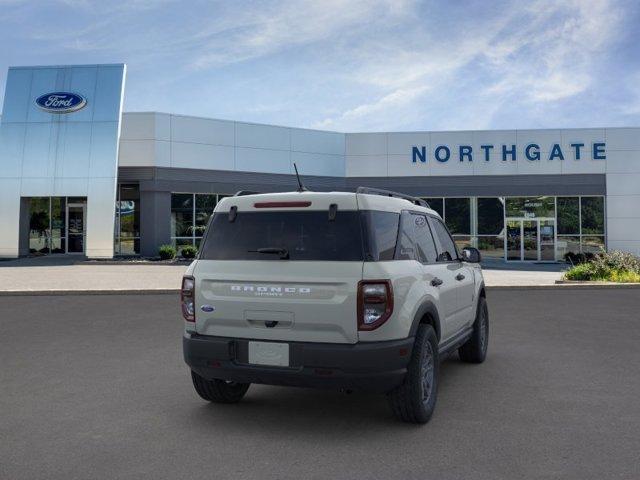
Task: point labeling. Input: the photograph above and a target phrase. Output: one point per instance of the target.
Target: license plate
(268, 353)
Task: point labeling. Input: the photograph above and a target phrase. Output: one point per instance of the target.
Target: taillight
(188, 298)
(375, 303)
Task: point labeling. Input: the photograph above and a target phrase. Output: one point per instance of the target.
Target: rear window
(304, 235)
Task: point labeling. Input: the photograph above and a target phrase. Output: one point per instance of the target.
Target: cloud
(542, 53)
(347, 65)
(246, 34)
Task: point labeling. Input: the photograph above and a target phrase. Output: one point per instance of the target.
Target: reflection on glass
(547, 240)
(530, 207)
(39, 225)
(457, 213)
(204, 208)
(491, 247)
(58, 245)
(128, 246)
(568, 216)
(462, 241)
(567, 244)
(592, 215)
(530, 240)
(592, 244)
(75, 229)
(490, 216)
(436, 203)
(181, 242)
(514, 237)
(58, 214)
(181, 214)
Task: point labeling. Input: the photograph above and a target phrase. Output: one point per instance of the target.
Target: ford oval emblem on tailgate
(207, 308)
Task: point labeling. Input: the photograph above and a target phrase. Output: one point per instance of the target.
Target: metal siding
(219, 181)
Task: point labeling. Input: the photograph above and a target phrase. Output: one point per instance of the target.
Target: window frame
(439, 247)
(403, 215)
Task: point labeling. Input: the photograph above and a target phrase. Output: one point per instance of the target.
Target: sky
(351, 65)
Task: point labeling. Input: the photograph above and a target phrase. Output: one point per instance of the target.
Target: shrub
(624, 276)
(616, 260)
(166, 252)
(578, 258)
(582, 271)
(612, 266)
(189, 251)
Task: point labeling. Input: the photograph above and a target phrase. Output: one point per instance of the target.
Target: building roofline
(383, 132)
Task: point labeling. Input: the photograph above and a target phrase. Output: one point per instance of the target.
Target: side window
(446, 247)
(380, 234)
(416, 242)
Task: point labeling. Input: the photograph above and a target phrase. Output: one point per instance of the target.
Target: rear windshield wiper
(283, 252)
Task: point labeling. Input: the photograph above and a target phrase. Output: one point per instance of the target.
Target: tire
(415, 400)
(219, 391)
(475, 349)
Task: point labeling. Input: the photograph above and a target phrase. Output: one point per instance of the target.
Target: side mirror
(471, 255)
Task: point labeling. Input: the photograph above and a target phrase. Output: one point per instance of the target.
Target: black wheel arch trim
(427, 308)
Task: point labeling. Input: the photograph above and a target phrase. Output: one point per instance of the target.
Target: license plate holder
(269, 353)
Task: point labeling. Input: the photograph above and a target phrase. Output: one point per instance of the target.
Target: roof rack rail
(389, 193)
(242, 193)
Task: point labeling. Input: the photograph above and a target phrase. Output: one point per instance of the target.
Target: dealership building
(79, 176)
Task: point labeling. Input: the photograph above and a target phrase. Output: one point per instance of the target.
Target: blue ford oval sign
(61, 102)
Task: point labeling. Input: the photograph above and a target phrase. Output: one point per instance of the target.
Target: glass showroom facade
(190, 213)
(542, 228)
(56, 224)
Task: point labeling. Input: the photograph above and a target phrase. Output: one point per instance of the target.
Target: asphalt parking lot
(95, 387)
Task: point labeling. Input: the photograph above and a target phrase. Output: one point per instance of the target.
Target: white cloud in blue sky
(351, 65)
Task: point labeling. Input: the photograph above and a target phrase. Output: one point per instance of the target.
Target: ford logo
(207, 308)
(61, 102)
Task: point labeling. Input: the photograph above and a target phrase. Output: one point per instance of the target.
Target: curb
(158, 291)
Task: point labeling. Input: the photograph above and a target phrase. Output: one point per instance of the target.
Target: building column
(155, 221)
(25, 218)
(9, 217)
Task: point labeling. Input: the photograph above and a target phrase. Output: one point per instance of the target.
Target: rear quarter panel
(410, 291)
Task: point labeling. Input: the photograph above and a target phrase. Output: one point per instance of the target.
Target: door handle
(459, 277)
(436, 282)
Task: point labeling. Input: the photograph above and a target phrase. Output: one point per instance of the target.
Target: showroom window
(581, 225)
(437, 204)
(456, 213)
(592, 224)
(57, 224)
(490, 227)
(530, 207)
(127, 228)
(190, 213)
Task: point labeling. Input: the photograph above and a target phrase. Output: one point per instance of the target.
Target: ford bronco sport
(353, 291)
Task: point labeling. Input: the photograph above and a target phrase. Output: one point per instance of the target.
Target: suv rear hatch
(281, 267)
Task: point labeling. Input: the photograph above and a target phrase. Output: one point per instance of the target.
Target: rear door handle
(436, 282)
(459, 277)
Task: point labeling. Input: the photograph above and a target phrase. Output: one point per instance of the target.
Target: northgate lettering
(531, 152)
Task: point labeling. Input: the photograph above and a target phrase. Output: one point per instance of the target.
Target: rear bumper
(370, 366)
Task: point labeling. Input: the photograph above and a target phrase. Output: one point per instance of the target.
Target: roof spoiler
(389, 193)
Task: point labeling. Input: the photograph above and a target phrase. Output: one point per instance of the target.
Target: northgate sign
(577, 151)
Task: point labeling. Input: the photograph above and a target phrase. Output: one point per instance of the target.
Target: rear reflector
(281, 204)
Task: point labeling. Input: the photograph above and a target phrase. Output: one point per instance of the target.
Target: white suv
(354, 291)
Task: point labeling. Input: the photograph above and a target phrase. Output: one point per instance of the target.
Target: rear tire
(219, 391)
(415, 400)
(475, 349)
